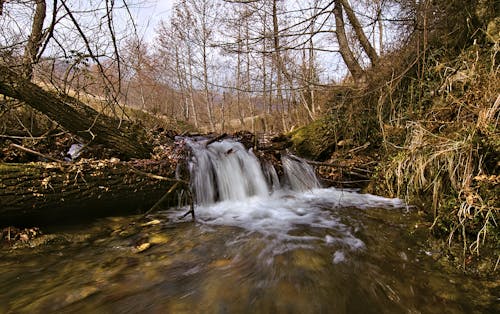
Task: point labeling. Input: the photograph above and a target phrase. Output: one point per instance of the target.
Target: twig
(215, 139)
(362, 170)
(190, 211)
(362, 147)
(157, 177)
(344, 182)
(24, 127)
(334, 165)
(352, 173)
(352, 182)
(27, 150)
(162, 199)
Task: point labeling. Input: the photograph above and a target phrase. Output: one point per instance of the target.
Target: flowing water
(260, 244)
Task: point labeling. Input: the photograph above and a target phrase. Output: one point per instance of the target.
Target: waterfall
(271, 175)
(299, 174)
(232, 187)
(226, 170)
(223, 171)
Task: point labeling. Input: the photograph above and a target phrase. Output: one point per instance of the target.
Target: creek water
(261, 243)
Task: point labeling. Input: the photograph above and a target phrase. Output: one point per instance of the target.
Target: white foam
(232, 189)
(338, 257)
(282, 212)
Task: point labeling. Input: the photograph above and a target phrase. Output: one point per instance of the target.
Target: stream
(259, 244)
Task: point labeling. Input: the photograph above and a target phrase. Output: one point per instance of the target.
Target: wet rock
(220, 263)
(141, 247)
(151, 223)
(80, 294)
(158, 239)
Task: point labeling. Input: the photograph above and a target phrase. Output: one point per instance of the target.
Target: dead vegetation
(449, 160)
(431, 112)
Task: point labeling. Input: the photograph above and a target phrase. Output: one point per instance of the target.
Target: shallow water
(321, 251)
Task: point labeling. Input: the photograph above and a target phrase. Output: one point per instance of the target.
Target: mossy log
(45, 193)
(317, 140)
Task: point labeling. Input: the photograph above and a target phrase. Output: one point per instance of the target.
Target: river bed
(320, 251)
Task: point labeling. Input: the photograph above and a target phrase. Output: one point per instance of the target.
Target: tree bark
(279, 65)
(75, 116)
(360, 34)
(47, 192)
(35, 39)
(346, 53)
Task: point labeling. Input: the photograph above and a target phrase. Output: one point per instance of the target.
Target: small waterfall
(271, 176)
(232, 187)
(299, 174)
(226, 170)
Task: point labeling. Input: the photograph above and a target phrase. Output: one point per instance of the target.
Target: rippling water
(321, 251)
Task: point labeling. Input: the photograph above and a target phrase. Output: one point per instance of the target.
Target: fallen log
(45, 193)
(76, 117)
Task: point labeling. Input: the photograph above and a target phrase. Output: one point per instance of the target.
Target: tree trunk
(46, 192)
(360, 34)
(279, 65)
(208, 96)
(191, 87)
(251, 103)
(241, 114)
(35, 39)
(346, 53)
(75, 116)
(380, 29)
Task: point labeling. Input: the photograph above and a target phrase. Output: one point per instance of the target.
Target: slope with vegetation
(431, 112)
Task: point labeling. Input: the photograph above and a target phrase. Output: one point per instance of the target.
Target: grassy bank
(432, 117)
(449, 158)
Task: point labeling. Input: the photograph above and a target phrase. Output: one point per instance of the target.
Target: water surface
(319, 251)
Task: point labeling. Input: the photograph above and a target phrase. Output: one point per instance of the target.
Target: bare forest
(264, 66)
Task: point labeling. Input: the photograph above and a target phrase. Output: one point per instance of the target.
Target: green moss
(353, 125)
(316, 140)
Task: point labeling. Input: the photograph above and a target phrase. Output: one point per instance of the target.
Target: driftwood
(45, 193)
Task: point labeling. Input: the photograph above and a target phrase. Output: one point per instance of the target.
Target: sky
(150, 14)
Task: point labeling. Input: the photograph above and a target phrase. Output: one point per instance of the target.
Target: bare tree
(360, 33)
(72, 114)
(346, 52)
(35, 39)
(176, 45)
(279, 63)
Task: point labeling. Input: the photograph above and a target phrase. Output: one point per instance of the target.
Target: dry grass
(450, 154)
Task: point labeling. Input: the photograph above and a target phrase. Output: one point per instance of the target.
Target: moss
(316, 140)
(343, 127)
